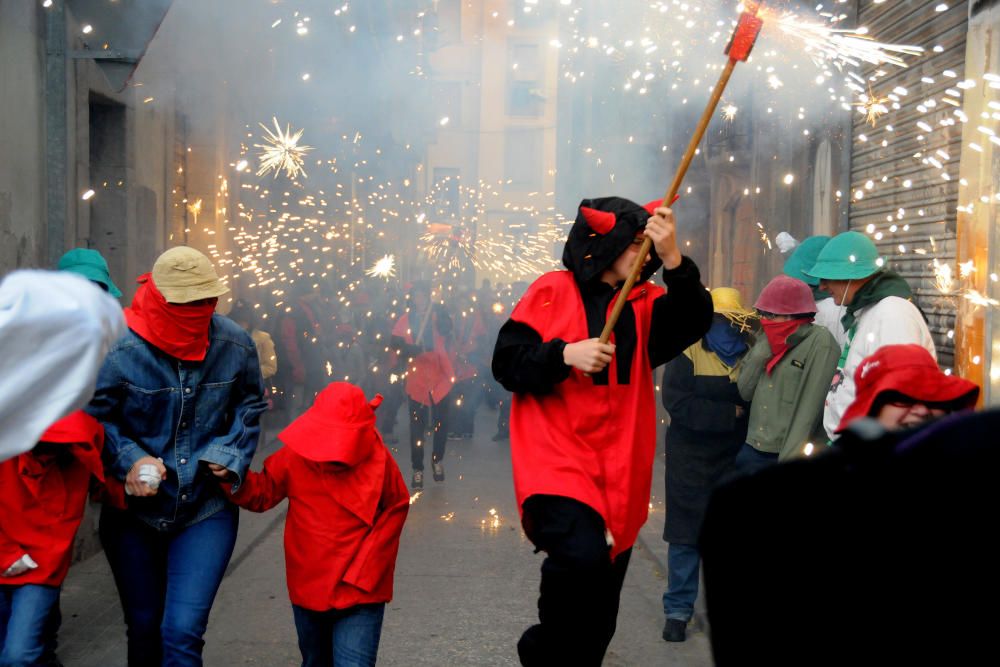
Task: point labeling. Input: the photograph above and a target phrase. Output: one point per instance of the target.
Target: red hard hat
(786, 296)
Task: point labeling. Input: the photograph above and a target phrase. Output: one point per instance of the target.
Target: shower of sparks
(493, 521)
(765, 239)
(383, 268)
(281, 151)
(414, 497)
(872, 106)
(729, 111)
(979, 299)
(944, 279)
(843, 47)
(448, 517)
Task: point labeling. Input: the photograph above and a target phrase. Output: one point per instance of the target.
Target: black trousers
(418, 425)
(581, 586)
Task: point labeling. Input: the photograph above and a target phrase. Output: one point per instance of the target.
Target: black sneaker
(675, 630)
(418, 479)
(500, 436)
(438, 471)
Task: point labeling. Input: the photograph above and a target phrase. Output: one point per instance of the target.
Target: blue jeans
(167, 582)
(749, 460)
(26, 614)
(342, 637)
(683, 561)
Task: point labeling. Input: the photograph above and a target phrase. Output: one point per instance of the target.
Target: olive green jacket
(786, 407)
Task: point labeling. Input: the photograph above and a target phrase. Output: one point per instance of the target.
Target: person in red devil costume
(347, 505)
(583, 431)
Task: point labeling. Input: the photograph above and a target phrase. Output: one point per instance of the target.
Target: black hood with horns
(593, 245)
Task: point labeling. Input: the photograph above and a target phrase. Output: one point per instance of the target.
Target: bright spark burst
(729, 111)
(944, 279)
(843, 47)
(872, 105)
(281, 151)
(383, 268)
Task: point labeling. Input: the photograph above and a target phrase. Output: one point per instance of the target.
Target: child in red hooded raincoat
(43, 494)
(582, 423)
(347, 505)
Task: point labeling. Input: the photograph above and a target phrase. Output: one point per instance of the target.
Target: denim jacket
(187, 413)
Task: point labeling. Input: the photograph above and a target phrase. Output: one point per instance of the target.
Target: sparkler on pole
(738, 50)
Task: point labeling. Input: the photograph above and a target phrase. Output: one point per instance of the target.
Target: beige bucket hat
(183, 275)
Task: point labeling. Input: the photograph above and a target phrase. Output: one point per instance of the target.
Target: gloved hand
(20, 566)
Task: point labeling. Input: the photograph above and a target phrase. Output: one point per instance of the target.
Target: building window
(525, 97)
(522, 164)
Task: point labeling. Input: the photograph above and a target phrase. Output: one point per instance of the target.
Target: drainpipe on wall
(56, 134)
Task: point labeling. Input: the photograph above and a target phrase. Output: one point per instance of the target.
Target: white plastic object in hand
(785, 242)
(149, 475)
(20, 566)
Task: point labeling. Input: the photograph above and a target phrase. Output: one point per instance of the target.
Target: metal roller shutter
(906, 206)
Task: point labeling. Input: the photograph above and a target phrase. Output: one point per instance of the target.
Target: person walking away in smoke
(339, 570)
(708, 424)
(785, 376)
(877, 311)
(425, 332)
(583, 431)
(180, 396)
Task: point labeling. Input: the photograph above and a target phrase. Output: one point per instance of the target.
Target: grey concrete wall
(22, 204)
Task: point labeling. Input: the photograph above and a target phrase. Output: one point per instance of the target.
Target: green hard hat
(803, 258)
(846, 256)
(91, 265)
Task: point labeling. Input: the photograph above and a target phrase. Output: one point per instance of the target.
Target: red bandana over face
(777, 337)
(180, 330)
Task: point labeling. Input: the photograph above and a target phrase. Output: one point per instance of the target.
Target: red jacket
(343, 526)
(593, 443)
(43, 495)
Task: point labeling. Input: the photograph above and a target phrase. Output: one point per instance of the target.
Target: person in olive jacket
(708, 424)
(786, 374)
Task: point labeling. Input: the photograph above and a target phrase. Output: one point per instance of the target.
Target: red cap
(786, 296)
(909, 370)
(339, 426)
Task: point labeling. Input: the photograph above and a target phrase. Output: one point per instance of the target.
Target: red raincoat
(343, 526)
(43, 496)
(592, 443)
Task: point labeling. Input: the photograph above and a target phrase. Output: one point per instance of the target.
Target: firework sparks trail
(843, 47)
(281, 151)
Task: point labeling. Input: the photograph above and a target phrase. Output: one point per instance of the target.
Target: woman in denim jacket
(180, 396)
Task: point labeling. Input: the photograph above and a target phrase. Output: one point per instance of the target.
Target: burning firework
(281, 151)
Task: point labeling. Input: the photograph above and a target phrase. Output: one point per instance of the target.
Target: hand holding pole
(738, 50)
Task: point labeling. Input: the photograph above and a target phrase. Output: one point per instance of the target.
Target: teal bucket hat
(803, 259)
(846, 256)
(91, 265)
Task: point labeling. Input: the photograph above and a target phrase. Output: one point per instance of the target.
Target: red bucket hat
(909, 370)
(339, 426)
(786, 296)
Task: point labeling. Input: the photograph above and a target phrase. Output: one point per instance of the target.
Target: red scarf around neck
(777, 337)
(180, 330)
